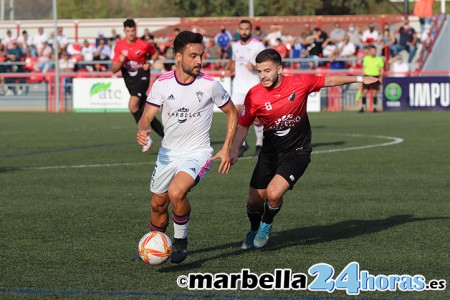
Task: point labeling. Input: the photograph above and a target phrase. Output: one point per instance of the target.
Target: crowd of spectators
(312, 48)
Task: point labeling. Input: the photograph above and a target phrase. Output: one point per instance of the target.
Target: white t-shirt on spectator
(38, 41)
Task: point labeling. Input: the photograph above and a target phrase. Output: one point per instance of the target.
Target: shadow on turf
(304, 236)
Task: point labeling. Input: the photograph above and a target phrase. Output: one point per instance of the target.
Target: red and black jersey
(135, 53)
(283, 113)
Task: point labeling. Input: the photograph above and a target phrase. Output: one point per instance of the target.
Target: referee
(373, 65)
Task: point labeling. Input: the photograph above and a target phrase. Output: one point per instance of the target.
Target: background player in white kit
(186, 97)
(246, 76)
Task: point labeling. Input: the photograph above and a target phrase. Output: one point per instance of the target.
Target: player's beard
(192, 72)
(274, 82)
(245, 38)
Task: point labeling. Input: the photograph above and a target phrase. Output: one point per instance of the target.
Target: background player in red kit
(131, 57)
(280, 103)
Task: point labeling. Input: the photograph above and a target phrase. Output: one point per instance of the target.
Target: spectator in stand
(39, 39)
(9, 40)
(102, 53)
(373, 65)
(306, 34)
(114, 36)
(318, 41)
(2, 68)
(14, 55)
(329, 49)
(259, 34)
(337, 34)
(371, 36)
(271, 38)
(224, 39)
(387, 39)
(147, 35)
(62, 40)
(66, 65)
(213, 52)
(44, 58)
(281, 48)
(407, 40)
(398, 66)
(88, 53)
(296, 49)
(354, 35)
(306, 64)
(26, 45)
(346, 48)
(100, 37)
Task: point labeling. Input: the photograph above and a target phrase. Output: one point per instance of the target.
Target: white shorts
(196, 164)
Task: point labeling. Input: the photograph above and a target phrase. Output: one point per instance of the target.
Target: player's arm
(241, 135)
(117, 64)
(229, 68)
(144, 123)
(232, 118)
(341, 80)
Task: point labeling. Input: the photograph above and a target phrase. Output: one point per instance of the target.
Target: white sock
(180, 231)
(259, 134)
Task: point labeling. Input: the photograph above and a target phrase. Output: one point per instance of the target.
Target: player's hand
(370, 79)
(141, 136)
(250, 67)
(225, 163)
(146, 66)
(234, 155)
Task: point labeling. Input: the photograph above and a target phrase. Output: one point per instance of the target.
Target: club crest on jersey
(138, 52)
(292, 97)
(199, 96)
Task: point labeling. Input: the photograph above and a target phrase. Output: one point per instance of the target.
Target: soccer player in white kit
(186, 97)
(246, 76)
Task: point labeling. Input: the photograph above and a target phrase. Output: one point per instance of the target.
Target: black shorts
(290, 166)
(137, 85)
(373, 86)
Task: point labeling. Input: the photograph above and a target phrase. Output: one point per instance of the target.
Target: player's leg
(289, 171)
(374, 96)
(255, 210)
(159, 216)
(364, 93)
(278, 186)
(189, 172)
(263, 173)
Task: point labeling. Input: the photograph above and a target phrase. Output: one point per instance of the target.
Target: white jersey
(187, 112)
(244, 79)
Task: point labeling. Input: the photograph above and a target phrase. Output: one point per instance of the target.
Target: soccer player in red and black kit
(131, 57)
(280, 103)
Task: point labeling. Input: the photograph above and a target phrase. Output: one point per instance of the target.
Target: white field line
(391, 141)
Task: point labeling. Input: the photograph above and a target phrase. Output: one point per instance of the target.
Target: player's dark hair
(268, 55)
(184, 38)
(129, 23)
(246, 22)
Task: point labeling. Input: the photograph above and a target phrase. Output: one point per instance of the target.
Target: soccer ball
(154, 248)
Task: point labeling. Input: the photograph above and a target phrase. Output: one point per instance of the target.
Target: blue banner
(416, 93)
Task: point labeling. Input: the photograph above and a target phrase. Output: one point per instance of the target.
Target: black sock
(137, 115)
(269, 213)
(255, 218)
(363, 101)
(157, 127)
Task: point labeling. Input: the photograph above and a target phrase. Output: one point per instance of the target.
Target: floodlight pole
(406, 7)
(55, 46)
(251, 9)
